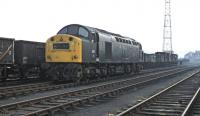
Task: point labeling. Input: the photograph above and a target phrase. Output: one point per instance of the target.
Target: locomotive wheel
(72, 72)
(66, 72)
(77, 73)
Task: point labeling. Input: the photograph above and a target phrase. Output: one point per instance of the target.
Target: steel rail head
(116, 91)
(69, 92)
(129, 110)
(192, 101)
(10, 91)
(43, 84)
(36, 100)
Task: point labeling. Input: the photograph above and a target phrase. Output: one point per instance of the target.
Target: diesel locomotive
(80, 52)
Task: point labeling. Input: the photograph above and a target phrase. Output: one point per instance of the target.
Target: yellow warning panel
(64, 48)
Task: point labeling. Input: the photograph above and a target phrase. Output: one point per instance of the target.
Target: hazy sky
(142, 20)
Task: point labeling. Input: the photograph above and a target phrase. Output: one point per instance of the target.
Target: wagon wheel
(4, 74)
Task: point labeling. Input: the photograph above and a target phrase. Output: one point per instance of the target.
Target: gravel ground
(111, 106)
(53, 92)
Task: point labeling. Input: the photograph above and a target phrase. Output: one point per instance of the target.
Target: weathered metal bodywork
(104, 47)
(99, 52)
(20, 59)
(29, 52)
(94, 52)
(6, 51)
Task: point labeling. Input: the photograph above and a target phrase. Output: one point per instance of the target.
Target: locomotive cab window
(61, 46)
(63, 31)
(72, 30)
(83, 32)
(120, 39)
(117, 39)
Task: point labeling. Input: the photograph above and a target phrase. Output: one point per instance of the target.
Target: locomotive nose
(62, 38)
(64, 48)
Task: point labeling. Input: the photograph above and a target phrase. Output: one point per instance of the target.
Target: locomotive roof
(92, 29)
(107, 32)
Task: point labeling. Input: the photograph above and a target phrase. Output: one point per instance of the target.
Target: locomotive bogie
(88, 71)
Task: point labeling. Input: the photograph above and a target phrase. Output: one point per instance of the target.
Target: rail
(49, 104)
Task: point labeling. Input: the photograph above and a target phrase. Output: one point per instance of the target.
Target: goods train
(20, 58)
(80, 52)
(159, 59)
(76, 53)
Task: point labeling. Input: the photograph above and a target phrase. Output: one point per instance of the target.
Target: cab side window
(72, 30)
(63, 31)
(83, 32)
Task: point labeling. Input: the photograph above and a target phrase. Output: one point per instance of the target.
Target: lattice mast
(167, 32)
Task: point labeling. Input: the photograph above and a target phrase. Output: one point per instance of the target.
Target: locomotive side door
(94, 46)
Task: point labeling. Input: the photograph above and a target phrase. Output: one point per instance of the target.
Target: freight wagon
(159, 59)
(19, 59)
(6, 51)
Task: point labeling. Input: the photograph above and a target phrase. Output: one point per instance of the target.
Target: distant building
(193, 56)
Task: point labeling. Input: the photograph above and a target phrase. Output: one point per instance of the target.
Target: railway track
(49, 104)
(21, 89)
(6, 92)
(193, 108)
(29, 80)
(180, 99)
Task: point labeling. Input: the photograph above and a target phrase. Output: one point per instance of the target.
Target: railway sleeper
(94, 97)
